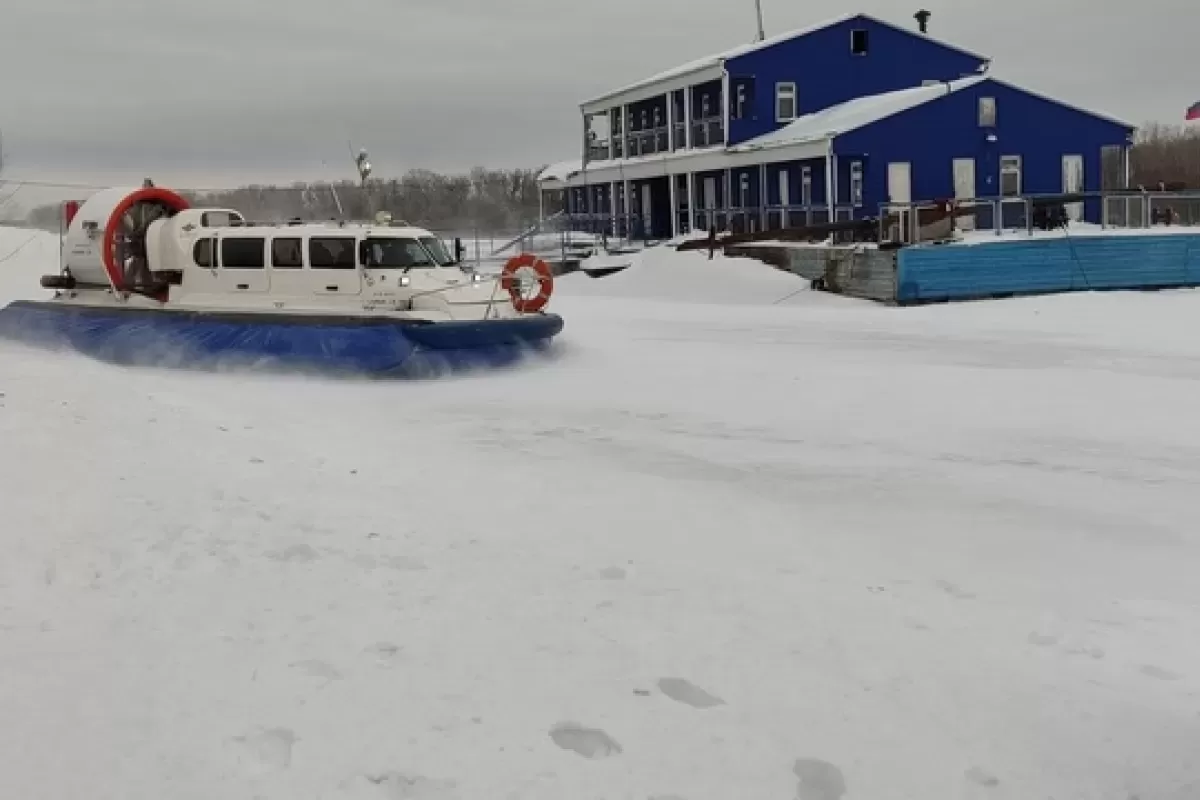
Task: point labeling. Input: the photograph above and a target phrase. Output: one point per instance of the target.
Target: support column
(612, 136)
(687, 122)
(830, 183)
(625, 126)
(691, 204)
(725, 108)
(762, 197)
(670, 125)
(627, 203)
(612, 207)
(728, 197)
(673, 180)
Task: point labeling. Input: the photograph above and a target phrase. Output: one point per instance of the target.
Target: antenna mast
(758, 14)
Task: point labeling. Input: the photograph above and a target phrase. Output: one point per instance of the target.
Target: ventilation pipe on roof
(758, 14)
(922, 18)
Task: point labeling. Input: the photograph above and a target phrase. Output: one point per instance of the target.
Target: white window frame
(705, 107)
(806, 197)
(987, 112)
(784, 91)
(744, 190)
(1011, 165)
(740, 101)
(856, 183)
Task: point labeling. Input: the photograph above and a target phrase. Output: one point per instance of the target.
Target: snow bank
(662, 273)
(716, 550)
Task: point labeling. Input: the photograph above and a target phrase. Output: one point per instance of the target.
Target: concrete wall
(868, 273)
(931, 273)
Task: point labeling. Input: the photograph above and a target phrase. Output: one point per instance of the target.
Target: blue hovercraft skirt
(339, 344)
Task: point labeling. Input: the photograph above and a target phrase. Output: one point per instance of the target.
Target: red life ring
(545, 279)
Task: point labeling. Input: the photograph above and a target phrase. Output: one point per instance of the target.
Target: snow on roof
(717, 58)
(561, 171)
(856, 113)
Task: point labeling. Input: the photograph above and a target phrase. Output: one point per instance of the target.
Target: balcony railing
(647, 142)
(910, 223)
(708, 132)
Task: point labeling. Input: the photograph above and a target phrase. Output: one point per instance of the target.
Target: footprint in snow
(819, 780)
(688, 693)
(588, 742)
(317, 669)
(981, 777)
(385, 654)
(270, 747)
(295, 554)
(399, 786)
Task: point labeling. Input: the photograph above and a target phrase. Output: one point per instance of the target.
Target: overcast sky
(209, 92)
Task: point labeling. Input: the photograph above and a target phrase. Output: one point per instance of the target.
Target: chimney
(922, 18)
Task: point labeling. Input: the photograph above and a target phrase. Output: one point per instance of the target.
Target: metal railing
(738, 220)
(932, 220)
(647, 142)
(708, 132)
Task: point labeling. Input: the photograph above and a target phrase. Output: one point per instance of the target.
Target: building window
(785, 102)
(806, 186)
(987, 112)
(645, 119)
(243, 253)
(1010, 176)
(286, 254)
(858, 42)
(856, 183)
(744, 190)
(739, 103)
(705, 108)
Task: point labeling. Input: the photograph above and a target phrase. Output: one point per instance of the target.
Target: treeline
(493, 202)
(1167, 154)
(484, 201)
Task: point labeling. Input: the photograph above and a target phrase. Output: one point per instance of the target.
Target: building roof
(854, 114)
(806, 132)
(717, 59)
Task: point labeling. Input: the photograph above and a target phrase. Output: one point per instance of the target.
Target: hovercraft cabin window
(287, 253)
(239, 253)
(332, 252)
(202, 253)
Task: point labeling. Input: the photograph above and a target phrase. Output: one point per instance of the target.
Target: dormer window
(858, 42)
(987, 112)
(785, 102)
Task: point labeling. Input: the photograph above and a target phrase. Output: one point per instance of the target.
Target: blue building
(827, 123)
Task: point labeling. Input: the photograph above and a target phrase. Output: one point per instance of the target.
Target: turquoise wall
(1076, 263)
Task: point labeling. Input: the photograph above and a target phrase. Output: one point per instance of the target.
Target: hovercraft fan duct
(125, 256)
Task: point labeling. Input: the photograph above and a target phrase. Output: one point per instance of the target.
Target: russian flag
(1193, 113)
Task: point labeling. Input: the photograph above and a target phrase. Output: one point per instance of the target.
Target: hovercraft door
(243, 264)
(333, 261)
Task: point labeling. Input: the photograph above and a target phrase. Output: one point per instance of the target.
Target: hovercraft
(145, 279)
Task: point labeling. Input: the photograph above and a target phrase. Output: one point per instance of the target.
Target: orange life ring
(545, 279)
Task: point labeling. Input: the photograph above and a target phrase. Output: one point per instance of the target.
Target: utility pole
(758, 13)
(363, 163)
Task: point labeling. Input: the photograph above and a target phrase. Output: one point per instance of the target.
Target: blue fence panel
(1040, 265)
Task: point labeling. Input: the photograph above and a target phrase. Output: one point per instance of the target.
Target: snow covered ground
(737, 541)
